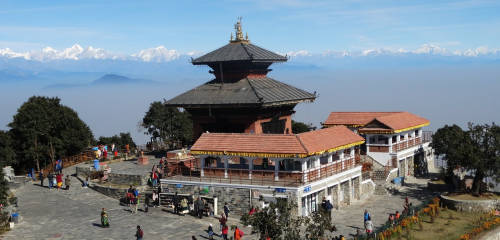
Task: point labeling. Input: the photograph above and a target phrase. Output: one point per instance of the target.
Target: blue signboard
(178, 185)
(307, 189)
(280, 190)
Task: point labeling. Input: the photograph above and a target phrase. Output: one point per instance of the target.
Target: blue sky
(437, 59)
(280, 25)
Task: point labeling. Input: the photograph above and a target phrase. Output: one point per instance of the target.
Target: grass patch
(449, 225)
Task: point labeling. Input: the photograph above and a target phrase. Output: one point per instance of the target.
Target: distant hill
(118, 79)
(108, 79)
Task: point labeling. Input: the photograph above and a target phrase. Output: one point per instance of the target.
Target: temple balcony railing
(266, 177)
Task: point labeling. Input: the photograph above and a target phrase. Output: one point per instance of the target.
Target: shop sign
(178, 185)
(280, 190)
(307, 189)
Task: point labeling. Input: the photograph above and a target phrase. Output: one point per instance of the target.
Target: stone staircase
(380, 188)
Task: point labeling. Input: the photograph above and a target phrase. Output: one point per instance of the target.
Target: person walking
(226, 210)
(369, 227)
(367, 216)
(40, 175)
(238, 234)
(139, 234)
(210, 232)
(50, 178)
(225, 230)
(59, 181)
(104, 218)
(222, 222)
(67, 181)
(176, 203)
(154, 197)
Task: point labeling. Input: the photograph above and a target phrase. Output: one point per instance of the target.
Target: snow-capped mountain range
(162, 54)
(77, 52)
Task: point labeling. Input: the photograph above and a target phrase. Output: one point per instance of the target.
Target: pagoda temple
(241, 98)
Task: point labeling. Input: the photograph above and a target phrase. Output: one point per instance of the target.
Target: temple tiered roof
(247, 91)
(239, 52)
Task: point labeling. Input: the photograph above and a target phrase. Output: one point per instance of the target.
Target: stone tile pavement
(75, 214)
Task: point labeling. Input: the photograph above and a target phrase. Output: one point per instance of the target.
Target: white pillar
(276, 169)
(317, 162)
(350, 191)
(367, 141)
(389, 141)
(202, 165)
(338, 196)
(330, 157)
(341, 157)
(250, 167)
(226, 164)
(420, 132)
(304, 168)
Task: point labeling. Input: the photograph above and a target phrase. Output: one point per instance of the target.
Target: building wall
(239, 199)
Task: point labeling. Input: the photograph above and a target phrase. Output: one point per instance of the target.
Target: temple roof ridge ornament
(239, 34)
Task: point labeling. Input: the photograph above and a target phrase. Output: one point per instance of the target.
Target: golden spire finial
(239, 34)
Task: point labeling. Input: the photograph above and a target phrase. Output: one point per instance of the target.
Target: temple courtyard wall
(341, 189)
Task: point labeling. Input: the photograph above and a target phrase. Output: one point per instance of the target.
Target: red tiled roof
(277, 145)
(248, 143)
(403, 120)
(353, 118)
(328, 138)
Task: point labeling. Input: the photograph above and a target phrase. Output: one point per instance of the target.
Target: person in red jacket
(225, 229)
(59, 181)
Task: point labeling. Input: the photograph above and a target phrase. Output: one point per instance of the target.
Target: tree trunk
(36, 155)
(476, 185)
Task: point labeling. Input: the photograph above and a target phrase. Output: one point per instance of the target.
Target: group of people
(200, 206)
(132, 198)
(156, 173)
(101, 151)
(55, 180)
(407, 211)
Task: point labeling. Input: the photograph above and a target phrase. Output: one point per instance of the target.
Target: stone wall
(239, 199)
(392, 175)
(367, 188)
(115, 192)
(470, 205)
(116, 178)
(127, 179)
(83, 171)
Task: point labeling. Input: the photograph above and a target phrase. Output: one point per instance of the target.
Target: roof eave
(194, 62)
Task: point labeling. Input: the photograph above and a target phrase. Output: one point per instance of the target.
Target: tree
(318, 224)
(168, 125)
(7, 154)
(7, 157)
(119, 140)
(276, 221)
(300, 127)
(476, 150)
(43, 128)
(447, 142)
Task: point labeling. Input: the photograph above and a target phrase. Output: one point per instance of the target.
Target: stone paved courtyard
(75, 214)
